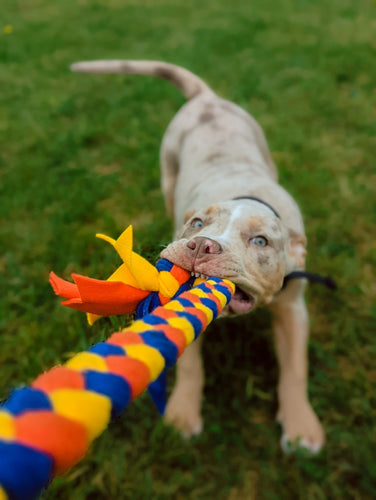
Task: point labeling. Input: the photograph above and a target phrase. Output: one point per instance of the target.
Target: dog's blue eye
(197, 223)
(259, 241)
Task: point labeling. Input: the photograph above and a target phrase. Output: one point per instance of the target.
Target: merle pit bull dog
(232, 220)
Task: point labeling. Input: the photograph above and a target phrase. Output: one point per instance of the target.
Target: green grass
(79, 155)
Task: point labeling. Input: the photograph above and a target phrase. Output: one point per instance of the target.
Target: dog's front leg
(290, 327)
(183, 409)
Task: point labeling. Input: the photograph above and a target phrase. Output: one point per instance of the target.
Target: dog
(232, 220)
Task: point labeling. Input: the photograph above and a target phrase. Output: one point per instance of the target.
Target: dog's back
(210, 141)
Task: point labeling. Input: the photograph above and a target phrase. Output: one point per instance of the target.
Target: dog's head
(243, 241)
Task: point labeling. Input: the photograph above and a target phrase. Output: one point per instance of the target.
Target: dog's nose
(201, 245)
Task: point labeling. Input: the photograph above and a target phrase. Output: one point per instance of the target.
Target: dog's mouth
(199, 275)
(241, 302)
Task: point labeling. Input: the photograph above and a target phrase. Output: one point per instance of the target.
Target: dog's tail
(188, 83)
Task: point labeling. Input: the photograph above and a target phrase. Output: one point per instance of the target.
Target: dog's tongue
(241, 303)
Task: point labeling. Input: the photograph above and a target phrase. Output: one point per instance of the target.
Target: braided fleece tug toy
(135, 286)
(46, 428)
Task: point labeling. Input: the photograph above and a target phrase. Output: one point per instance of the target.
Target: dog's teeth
(197, 275)
(203, 276)
(192, 273)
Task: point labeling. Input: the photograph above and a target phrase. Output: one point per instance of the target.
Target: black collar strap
(312, 278)
(259, 201)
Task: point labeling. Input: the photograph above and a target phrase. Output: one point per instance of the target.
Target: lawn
(79, 155)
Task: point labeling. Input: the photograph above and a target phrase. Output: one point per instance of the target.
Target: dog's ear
(296, 251)
(189, 214)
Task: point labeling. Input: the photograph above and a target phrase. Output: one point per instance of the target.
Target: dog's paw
(184, 417)
(301, 429)
(291, 446)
